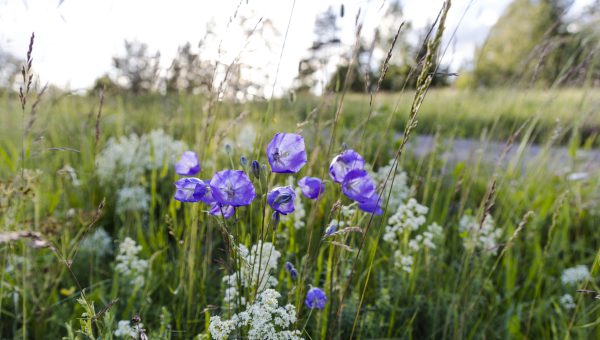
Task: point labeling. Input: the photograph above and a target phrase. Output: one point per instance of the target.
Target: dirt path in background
(470, 150)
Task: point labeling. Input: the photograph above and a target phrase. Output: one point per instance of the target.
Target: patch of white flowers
(128, 263)
(124, 330)
(409, 219)
(256, 267)
(264, 319)
(125, 159)
(567, 301)
(479, 236)
(575, 275)
(133, 198)
(99, 243)
(398, 192)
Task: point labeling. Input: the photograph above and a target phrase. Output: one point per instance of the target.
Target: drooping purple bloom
(286, 153)
(357, 185)
(190, 189)
(232, 187)
(311, 187)
(345, 162)
(332, 228)
(289, 267)
(281, 199)
(218, 209)
(371, 205)
(315, 298)
(188, 165)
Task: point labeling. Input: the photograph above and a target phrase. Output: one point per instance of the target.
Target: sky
(76, 39)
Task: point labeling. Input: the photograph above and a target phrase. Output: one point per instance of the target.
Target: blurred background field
(490, 222)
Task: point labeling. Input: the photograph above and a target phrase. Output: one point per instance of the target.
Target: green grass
(452, 292)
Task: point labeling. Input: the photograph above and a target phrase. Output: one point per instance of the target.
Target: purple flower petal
(190, 189)
(343, 163)
(358, 185)
(232, 187)
(286, 153)
(281, 199)
(371, 205)
(218, 209)
(315, 298)
(311, 187)
(188, 165)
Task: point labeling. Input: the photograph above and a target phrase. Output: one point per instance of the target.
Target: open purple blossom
(190, 189)
(286, 153)
(332, 228)
(188, 165)
(358, 185)
(281, 199)
(311, 187)
(218, 209)
(345, 162)
(232, 187)
(315, 298)
(371, 205)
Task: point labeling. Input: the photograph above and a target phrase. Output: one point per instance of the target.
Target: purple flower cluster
(315, 298)
(348, 170)
(227, 189)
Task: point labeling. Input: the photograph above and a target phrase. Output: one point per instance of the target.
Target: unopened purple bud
(255, 169)
(244, 161)
(275, 218)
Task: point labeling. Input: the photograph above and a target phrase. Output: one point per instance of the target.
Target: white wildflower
(567, 301)
(125, 159)
(132, 199)
(128, 263)
(399, 191)
(124, 330)
(99, 243)
(575, 274)
(264, 319)
(475, 236)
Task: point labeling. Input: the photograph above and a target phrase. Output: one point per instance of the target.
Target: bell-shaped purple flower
(190, 189)
(371, 205)
(232, 187)
(345, 162)
(281, 199)
(286, 153)
(358, 185)
(315, 298)
(218, 209)
(188, 165)
(311, 187)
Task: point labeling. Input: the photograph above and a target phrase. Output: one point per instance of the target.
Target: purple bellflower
(218, 209)
(343, 163)
(311, 187)
(188, 165)
(281, 199)
(286, 153)
(190, 189)
(371, 205)
(358, 185)
(315, 298)
(232, 187)
(289, 267)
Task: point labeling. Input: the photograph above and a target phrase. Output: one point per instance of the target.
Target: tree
(9, 68)
(137, 70)
(188, 73)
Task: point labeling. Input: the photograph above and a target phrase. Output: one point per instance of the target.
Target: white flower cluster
(399, 192)
(567, 301)
(124, 330)
(409, 218)
(125, 159)
(133, 198)
(575, 275)
(99, 243)
(263, 319)
(476, 236)
(256, 269)
(128, 263)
